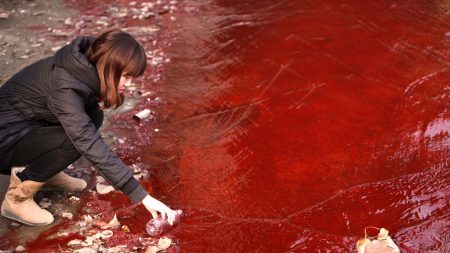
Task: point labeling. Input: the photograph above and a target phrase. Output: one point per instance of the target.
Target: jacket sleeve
(96, 115)
(68, 106)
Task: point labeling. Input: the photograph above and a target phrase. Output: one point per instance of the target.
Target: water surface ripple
(289, 126)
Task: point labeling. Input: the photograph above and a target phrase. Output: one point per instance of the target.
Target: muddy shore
(26, 32)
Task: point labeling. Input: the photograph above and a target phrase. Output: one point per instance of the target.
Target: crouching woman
(50, 116)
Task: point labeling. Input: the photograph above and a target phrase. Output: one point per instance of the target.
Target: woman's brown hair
(115, 53)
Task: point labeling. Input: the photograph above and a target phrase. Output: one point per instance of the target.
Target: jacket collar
(71, 57)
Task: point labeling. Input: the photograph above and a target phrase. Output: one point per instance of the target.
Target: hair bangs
(136, 62)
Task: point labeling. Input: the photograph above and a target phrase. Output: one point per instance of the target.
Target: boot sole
(15, 218)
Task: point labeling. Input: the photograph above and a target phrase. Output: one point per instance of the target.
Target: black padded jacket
(63, 89)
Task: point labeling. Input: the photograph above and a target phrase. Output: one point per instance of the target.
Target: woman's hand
(153, 206)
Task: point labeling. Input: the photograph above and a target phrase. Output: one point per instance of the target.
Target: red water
(289, 126)
(292, 125)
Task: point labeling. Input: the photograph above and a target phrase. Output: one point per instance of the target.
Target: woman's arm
(68, 106)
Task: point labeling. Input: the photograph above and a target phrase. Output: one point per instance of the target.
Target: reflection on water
(292, 125)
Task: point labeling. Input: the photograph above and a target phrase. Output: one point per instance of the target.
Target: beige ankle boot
(19, 204)
(64, 182)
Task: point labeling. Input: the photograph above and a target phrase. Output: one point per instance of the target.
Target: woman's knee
(60, 137)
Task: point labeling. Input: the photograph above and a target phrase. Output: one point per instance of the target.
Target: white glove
(153, 206)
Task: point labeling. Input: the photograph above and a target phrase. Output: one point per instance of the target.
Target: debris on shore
(383, 243)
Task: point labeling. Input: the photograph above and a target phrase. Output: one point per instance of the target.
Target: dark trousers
(46, 151)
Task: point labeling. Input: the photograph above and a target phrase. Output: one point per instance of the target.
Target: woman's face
(124, 81)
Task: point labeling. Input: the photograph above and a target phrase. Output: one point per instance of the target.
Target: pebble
(149, 5)
(20, 248)
(125, 229)
(68, 21)
(14, 225)
(79, 24)
(102, 22)
(45, 203)
(121, 14)
(138, 176)
(142, 114)
(163, 244)
(101, 224)
(146, 94)
(107, 234)
(85, 250)
(62, 234)
(100, 179)
(38, 13)
(117, 249)
(87, 218)
(74, 198)
(114, 222)
(74, 243)
(104, 189)
(67, 215)
(4, 15)
(147, 241)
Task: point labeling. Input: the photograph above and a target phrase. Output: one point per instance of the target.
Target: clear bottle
(158, 226)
